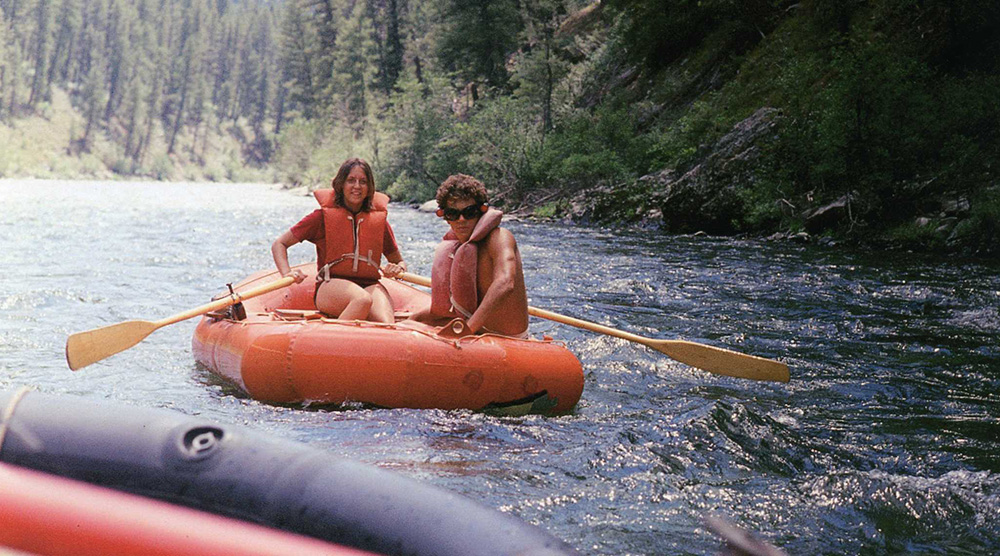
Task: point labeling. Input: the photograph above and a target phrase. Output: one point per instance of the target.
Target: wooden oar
(709, 358)
(85, 348)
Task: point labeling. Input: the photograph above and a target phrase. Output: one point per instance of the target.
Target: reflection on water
(885, 441)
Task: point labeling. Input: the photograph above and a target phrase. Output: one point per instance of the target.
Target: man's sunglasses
(469, 212)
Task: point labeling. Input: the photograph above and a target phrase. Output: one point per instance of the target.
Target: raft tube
(284, 351)
(48, 515)
(237, 473)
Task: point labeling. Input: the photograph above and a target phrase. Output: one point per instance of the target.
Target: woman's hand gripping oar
(85, 348)
(708, 358)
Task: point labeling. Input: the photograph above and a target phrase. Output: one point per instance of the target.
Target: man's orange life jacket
(454, 281)
(353, 241)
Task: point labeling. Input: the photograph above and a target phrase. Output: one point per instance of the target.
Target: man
(477, 274)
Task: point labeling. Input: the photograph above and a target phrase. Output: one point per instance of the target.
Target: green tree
(93, 99)
(225, 49)
(43, 24)
(539, 65)
(385, 15)
(68, 20)
(325, 17)
(12, 76)
(118, 35)
(420, 115)
(296, 49)
(477, 38)
(4, 62)
(192, 47)
(354, 69)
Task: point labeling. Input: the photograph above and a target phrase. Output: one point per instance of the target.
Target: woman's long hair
(341, 178)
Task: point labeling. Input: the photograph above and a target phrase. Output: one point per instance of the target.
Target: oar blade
(85, 348)
(722, 361)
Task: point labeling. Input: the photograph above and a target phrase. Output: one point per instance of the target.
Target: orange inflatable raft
(284, 351)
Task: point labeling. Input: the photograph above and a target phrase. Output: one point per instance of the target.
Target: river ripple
(885, 441)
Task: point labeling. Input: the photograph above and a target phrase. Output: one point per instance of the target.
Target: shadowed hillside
(820, 120)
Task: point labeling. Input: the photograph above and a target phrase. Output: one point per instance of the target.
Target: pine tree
(116, 37)
(477, 37)
(353, 70)
(539, 66)
(192, 48)
(262, 89)
(3, 61)
(386, 18)
(68, 21)
(40, 57)
(12, 13)
(93, 99)
(325, 17)
(297, 45)
(225, 56)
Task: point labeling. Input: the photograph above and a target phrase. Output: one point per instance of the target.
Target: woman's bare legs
(381, 310)
(346, 300)
(343, 299)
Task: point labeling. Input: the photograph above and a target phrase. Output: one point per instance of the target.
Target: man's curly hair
(461, 186)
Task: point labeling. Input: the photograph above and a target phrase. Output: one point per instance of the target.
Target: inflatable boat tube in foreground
(48, 515)
(238, 473)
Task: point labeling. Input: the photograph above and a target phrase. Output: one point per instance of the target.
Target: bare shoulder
(501, 238)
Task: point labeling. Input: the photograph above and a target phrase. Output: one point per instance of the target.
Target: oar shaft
(587, 325)
(542, 313)
(227, 301)
(414, 279)
(712, 359)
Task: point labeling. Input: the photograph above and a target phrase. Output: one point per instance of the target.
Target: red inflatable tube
(45, 514)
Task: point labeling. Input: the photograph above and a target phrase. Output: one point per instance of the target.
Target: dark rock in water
(955, 237)
(955, 206)
(653, 220)
(827, 217)
(581, 206)
(706, 197)
(945, 226)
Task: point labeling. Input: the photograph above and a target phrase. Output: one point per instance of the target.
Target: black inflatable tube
(237, 472)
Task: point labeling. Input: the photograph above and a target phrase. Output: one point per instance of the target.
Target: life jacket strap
(324, 274)
(357, 244)
(456, 308)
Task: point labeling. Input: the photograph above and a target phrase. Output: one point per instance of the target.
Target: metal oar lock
(236, 311)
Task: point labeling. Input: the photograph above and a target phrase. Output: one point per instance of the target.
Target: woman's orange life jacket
(353, 241)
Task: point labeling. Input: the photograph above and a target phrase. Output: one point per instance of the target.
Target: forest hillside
(819, 120)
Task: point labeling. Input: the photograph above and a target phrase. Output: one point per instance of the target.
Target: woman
(351, 234)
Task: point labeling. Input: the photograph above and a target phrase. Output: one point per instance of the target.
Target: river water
(886, 440)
